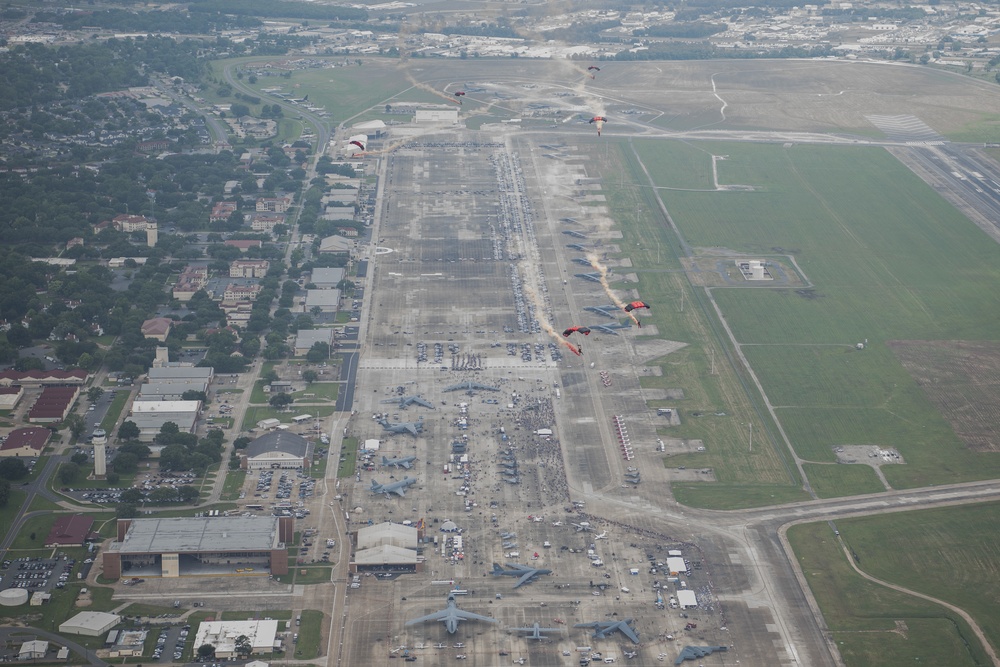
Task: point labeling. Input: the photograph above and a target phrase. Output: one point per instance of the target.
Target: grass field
(313, 574)
(321, 391)
(256, 413)
(348, 457)
(873, 625)
(832, 480)
(233, 485)
(310, 633)
(881, 248)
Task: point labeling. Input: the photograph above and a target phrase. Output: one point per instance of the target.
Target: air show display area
(872, 624)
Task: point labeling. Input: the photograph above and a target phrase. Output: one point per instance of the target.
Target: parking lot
(36, 574)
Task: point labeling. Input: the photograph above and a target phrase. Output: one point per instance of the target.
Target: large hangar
(200, 546)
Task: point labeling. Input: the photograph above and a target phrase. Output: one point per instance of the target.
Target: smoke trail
(603, 273)
(543, 322)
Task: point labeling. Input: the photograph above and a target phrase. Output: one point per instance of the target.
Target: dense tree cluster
(157, 21)
(286, 9)
(185, 451)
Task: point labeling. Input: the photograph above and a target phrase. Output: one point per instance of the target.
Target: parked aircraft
(451, 616)
(413, 428)
(609, 328)
(406, 401)
(399, 488)
(583, 527)
(526, 574)
(536, 631)
(604, 628)
(611, 310)
(401, 462)
(469, 385)
(602, 536)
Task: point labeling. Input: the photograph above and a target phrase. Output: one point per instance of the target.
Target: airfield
(472, 278)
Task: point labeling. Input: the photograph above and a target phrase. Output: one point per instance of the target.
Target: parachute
(583, 330)
(600, 120)
(358, 144)
(593, 68)
(459, 95)
(636, 304)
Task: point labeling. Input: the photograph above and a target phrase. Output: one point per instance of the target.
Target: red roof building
(77, 376)
(243, 245)
(70, 530)
(53, 405)
(25, 442)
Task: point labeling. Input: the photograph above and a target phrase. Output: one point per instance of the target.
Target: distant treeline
(886, 13)
(152, 21)
(682, 30)
(271, 9)
(707, 51)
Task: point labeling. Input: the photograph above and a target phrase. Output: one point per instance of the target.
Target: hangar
(200, 546)
(387, 547)
(90, 623)
(150, 416)
(28, 442)
(278, 449)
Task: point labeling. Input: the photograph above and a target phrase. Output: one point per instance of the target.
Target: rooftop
(199, 534)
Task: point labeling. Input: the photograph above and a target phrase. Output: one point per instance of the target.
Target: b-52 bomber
(610, 310)
(526, 574)
(401, 462)
(451, 616)
(609, 328)
(413, 428)
(399, 488)
(406, 401)
(536, 631)
(603, 628)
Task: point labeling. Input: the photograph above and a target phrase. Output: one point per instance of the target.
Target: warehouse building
(53, 405)
(327, 300)
(306, 338)
(200, 546)
(70, 530)
(278, 449)
(326, 277)
(181, 374)
(90, 623)
(150, 416)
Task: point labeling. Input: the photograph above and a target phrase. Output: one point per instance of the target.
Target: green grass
(318, 469)
(890, 260)
(733, 496)
(40, 503)
(258, 395)
(114, 412)
(349, 452)
(10, 511)
(834, 480)
(258, 413)
(862, 616)
(277, 614)
(233, 485)
(321, 391)
(33, 532)
(312, 574)
(139, 609)
(309, 635)
(62, 606)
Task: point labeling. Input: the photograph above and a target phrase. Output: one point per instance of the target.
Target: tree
(68, 473)
(243, 646)
(12, 468)
(76, 425)
(206, 651)
(126, 510)
(319, 351)
(194, 395)
(129, 430)
(241, 442)
(310, 376)
(4, 492)
(280, 400)
(132, 496)
(94, 394)
(79, 458)
(125, 463)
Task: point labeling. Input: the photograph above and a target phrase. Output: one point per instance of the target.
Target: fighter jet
(406, 401)
(401, 462)
(526, 574)
(451, 616)
(509, 466)
(512, 479)
(413, 428)
(603, 628)
(399, 488)
(507, 536)
(536, 631)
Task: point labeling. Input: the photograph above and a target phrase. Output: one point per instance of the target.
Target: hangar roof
(200, 534)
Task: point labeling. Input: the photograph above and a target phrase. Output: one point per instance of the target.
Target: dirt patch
(962, 380)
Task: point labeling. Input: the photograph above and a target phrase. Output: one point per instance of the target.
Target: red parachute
(637, 304)
(583, 330)
(600, 120)
(358, 144)
(593, 68)
(458, 95)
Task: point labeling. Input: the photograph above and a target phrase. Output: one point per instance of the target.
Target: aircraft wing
(436, 616)
(400, 491)
(519, 567)
(470, 616)
(628, 632)
(603, 328)
(526, 578)
(406, 464)
(411, 428)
